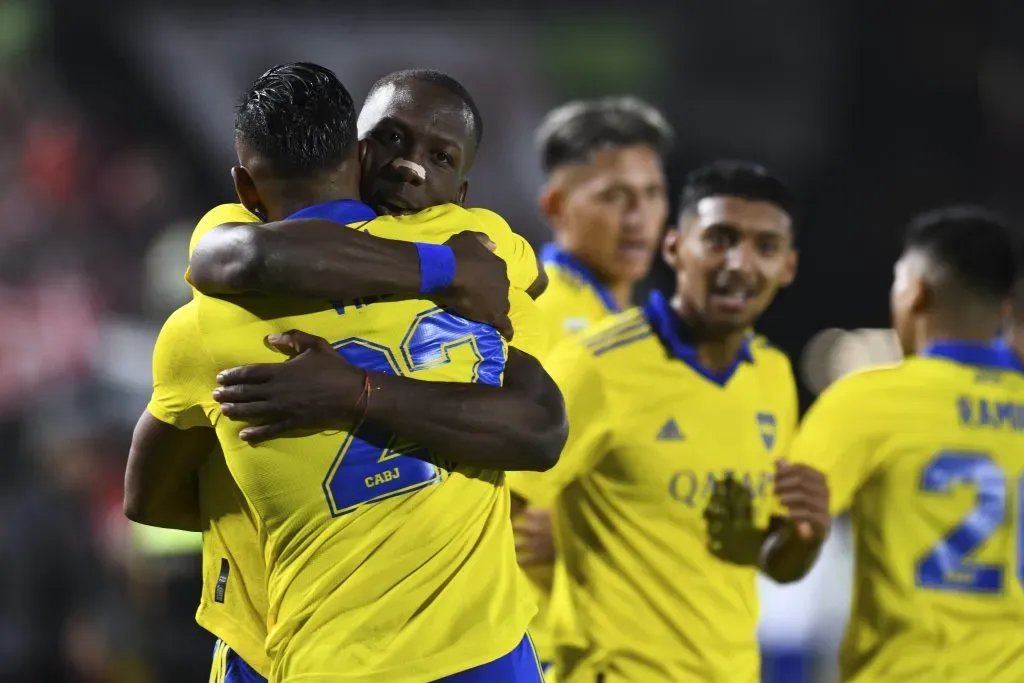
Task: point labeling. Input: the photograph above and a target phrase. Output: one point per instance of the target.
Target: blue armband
(437, 267)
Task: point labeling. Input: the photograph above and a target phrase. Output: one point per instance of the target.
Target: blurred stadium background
(115, 136)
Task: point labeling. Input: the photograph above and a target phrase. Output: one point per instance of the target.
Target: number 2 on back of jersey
(945, 566)
(372, 464)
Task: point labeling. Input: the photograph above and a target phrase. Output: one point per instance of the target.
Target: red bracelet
(363, 401)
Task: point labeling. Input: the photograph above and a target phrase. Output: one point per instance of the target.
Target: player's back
(938, 523)
(381, 566)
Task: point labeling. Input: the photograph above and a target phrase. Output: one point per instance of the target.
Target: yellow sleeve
(511, 247)
(575, 371)
(837, 438)
(218, 215)
(183, 373)
(530, 332)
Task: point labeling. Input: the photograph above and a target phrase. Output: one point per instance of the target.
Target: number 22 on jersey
(371, 465)
(946, 567)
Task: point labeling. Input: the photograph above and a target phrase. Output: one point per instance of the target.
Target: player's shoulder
(226, 213)
(222, 214)
(180, 325)
(616, 335)
(763, 350)
(873, 385)
(769, 358)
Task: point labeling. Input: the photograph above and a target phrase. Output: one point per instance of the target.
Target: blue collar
(555, 255)
(342, 211)
(674, 335)
(1015, 359)
(994, 355)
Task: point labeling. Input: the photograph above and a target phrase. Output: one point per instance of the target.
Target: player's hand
(732, 536)
(535, 543)
(479, 290)
(314, 389)
(803, 491)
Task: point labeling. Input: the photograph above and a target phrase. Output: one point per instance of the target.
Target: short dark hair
(573, 132)
(973, 244)
(737, 179)
(300, 118)
(443, 80)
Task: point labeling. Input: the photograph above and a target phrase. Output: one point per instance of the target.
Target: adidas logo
(670, 431)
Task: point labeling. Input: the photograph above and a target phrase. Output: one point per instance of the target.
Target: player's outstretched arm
(520, 426)
(320, 259)
(161, 484)
(794, 542)
(785, 551)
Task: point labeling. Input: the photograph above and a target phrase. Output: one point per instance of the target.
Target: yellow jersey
(928, 456)
(573, 300)
(649, 432)
(234, 603)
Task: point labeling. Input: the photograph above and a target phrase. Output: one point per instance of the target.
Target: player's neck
(622, 292)
(714, 352)
(719, 354)
(329, 187)
(932, 330)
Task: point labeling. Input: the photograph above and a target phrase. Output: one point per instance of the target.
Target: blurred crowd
(84, 597)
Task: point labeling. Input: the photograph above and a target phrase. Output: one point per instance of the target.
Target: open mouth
(635, 248)
(731, 299)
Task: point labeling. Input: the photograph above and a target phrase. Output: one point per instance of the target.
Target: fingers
(798, 485)
(241, 393)
(484, 240)
(247, 374)
(252, 410)
(260, 433)
(504, 326)
(294, 342)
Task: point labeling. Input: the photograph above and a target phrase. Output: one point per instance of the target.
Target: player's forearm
(516, 427)
(304, 258)
(785, 556)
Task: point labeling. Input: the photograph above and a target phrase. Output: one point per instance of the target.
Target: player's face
(418, 146)
(731, 256)
(610, 213)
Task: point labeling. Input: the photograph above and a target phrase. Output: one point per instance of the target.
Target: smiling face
(731, 256)
(419, 142)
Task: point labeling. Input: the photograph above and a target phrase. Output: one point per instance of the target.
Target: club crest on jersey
(768, 428)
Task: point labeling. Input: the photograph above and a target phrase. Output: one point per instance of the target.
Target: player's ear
(670, 247)
(460, 196)
(550, 203)
(919, 294)
(789, 268)
(362, 149)
(247, 193)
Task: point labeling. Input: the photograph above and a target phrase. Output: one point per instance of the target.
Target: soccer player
(268, 189)
(928, 457)
(606, 202)
(663, 401)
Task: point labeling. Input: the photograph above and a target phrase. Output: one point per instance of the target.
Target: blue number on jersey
(944, 567)
(370, 465)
